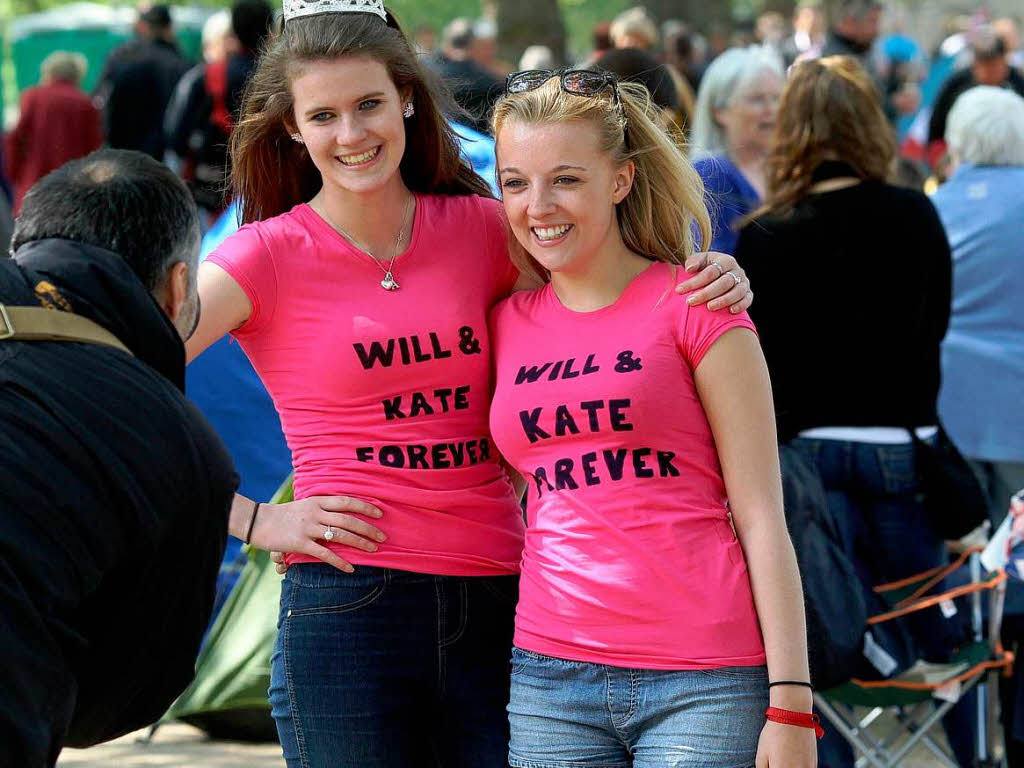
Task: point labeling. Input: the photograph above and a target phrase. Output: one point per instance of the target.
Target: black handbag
(952, 496)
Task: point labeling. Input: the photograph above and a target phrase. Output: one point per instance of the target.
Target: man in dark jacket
(474, 88)
(114, 491)
(989, 66)
(137, 81)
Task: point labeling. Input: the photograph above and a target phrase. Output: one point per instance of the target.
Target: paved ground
(176, 746)
(181, 746)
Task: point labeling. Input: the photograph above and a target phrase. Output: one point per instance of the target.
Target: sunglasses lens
(527, 81)
(584, 82)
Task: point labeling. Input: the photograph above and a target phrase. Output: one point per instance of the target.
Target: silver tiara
(295, 8)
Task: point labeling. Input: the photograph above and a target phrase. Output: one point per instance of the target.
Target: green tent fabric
(228, 698)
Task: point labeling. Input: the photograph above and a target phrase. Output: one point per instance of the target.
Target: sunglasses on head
(578, 82)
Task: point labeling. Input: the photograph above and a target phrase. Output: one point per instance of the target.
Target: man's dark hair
(158, 18)
(638, 66)
(121, 200)
(251, 21)
(987, 46)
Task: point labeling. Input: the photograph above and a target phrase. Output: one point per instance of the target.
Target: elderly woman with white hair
(733, 126)
(982, 207)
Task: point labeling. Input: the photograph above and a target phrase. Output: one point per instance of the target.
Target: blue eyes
(364, 106)
(561, 180)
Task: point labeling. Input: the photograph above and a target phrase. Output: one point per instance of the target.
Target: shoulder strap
(39, 324)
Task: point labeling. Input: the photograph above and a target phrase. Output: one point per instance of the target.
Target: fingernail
(693, 268)
(734, 310)
(372, 548)
(349, 569)
(714, 306)
(380, 537)
(691, 300)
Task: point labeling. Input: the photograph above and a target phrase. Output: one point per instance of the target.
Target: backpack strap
(39, 324)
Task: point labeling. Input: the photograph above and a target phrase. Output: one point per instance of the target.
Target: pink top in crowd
(630, 556)
(383, 396)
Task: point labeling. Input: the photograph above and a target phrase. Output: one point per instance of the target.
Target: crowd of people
(452, 586)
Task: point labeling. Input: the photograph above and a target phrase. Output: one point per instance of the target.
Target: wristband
(252, 522)
(799, 719)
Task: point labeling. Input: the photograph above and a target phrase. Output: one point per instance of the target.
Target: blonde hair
(829, 111)
(634, 22)
(657, 216)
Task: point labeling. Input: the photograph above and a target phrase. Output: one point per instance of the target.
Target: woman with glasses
(660, 618)
(733, 125)
(359, 288)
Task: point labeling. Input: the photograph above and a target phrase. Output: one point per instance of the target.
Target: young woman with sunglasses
(660, 618)
(359, 288)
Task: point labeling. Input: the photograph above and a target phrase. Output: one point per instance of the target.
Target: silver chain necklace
(388, 283)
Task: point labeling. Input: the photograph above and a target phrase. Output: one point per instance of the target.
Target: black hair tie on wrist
(791, 682)
(252, 522)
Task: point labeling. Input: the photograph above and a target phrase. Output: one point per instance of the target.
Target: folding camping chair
(919, 698)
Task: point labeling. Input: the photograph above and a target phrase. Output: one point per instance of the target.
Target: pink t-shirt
(383, 396)
(630, 556)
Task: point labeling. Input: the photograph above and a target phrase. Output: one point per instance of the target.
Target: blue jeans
(390, 669)
(574, 714)
(872, 493)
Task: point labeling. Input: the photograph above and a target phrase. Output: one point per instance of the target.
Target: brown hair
(830, 110)
(657, 217)
(271, 173)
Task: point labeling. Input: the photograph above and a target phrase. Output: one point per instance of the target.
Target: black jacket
(953, 88)
(134, 88)
(114, 495)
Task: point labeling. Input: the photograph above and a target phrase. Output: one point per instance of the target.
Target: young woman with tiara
(660, 618)
(359, 288)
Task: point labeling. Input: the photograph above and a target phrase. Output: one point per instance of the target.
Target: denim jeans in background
(872, 493)
(574, 714)
(390, 669)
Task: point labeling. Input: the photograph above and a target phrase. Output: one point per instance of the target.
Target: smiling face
(560, 189)
(749, 119)
(349, 114)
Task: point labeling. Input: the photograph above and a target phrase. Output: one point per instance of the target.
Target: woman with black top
(849, 378)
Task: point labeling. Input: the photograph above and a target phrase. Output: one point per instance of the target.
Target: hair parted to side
(657, 217)
(829, 111)
(271, 173)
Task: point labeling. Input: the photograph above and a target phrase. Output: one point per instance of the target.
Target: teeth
(357, 159)
(550, 233)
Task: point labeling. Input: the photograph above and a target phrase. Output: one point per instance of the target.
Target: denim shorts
(574, 714)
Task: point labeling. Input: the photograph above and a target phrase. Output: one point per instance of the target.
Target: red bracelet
(801, 719)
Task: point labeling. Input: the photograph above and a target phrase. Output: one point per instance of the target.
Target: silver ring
(718, 267)
(328, 533)
(734, 276)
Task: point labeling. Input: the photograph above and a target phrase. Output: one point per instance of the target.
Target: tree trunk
(522, 23)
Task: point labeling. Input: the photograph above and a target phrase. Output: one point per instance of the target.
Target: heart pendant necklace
(388, 283)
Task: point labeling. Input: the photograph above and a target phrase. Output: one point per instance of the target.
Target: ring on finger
(734, 276)
(717, 266)
(328, 533)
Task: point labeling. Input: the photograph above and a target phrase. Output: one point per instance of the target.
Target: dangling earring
(297, 137)
(409, 110)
